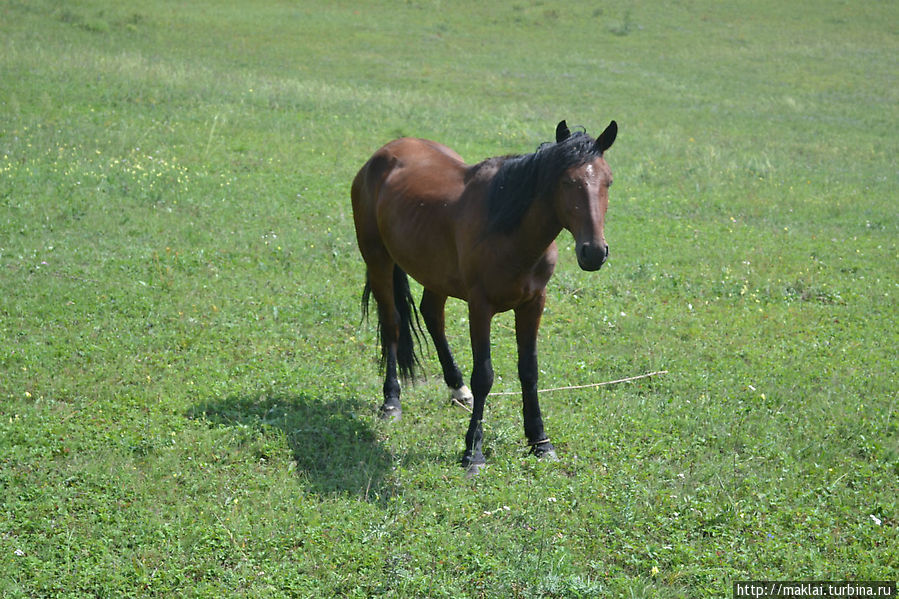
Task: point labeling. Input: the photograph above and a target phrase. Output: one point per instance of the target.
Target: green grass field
(187, 394)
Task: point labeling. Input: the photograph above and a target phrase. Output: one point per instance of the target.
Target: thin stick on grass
(215, 121)
(570, 387)
(591, 385)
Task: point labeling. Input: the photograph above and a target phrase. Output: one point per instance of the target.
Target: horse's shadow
(332, 442)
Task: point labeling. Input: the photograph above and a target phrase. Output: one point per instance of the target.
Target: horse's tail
(409, 324)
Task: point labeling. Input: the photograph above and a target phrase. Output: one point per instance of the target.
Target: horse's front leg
(479, 315)
(527, 323)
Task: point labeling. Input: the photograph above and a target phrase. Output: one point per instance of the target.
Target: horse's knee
(482, 379)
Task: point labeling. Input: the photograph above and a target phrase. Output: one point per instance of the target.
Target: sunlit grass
(187, 391)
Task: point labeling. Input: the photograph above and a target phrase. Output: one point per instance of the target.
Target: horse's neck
(539, 228)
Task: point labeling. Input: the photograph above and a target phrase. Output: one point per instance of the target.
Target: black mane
(522, 179)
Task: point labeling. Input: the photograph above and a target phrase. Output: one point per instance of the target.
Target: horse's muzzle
(592, 256)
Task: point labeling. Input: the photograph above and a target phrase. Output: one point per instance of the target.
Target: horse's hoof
(463, 396)
(390, 413)
(473, 464)
(472, 470)
(544, 451)
(548, 456)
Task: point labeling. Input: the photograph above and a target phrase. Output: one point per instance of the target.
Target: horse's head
(582, 198)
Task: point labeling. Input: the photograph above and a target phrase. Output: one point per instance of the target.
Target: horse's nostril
(591, 257)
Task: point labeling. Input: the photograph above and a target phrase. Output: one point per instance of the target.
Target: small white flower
(19, 552)
(877, 520)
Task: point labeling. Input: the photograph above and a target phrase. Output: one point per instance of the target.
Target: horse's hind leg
(380, 283)
(432, 309)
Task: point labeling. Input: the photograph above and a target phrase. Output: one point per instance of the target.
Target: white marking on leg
(463, 396)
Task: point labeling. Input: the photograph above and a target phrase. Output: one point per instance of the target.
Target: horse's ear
(607, 138)
(562, 132)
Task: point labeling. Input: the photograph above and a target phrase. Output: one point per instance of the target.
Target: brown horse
(484, 234)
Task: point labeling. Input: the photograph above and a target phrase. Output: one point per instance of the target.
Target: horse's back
(423, 167)
(412, 168)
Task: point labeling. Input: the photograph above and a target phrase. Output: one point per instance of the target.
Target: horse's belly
(430, 260)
